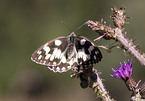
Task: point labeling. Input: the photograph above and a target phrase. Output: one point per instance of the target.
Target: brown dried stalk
(116, 34)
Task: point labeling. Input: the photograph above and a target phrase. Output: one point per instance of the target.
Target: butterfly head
(71, 37)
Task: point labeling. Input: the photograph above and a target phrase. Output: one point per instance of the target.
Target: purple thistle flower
(124, 71)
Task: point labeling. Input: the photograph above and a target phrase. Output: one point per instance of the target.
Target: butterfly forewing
(51, 53)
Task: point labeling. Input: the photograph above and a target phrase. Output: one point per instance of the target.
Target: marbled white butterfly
(67, 52)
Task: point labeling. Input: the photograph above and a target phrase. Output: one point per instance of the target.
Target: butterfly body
(67, 52)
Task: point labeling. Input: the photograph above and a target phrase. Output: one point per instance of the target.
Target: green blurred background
(25, 25)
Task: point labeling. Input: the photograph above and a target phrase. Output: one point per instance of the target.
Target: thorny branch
(91, 77)
(116, 33)
(99, 88)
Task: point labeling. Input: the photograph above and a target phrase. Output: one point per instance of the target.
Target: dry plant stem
(116, 34)
(129, 46)
(98, 87)
(107, 32)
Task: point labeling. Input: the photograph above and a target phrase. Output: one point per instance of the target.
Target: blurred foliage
(27, 24)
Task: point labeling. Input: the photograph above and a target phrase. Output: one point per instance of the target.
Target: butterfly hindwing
(62, 67)
(87, 53)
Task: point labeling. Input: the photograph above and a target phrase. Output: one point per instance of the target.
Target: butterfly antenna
(81, 26)
(66, 26)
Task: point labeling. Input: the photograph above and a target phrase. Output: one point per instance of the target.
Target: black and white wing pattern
(87, 53)
(52, 55)
(65, 53)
